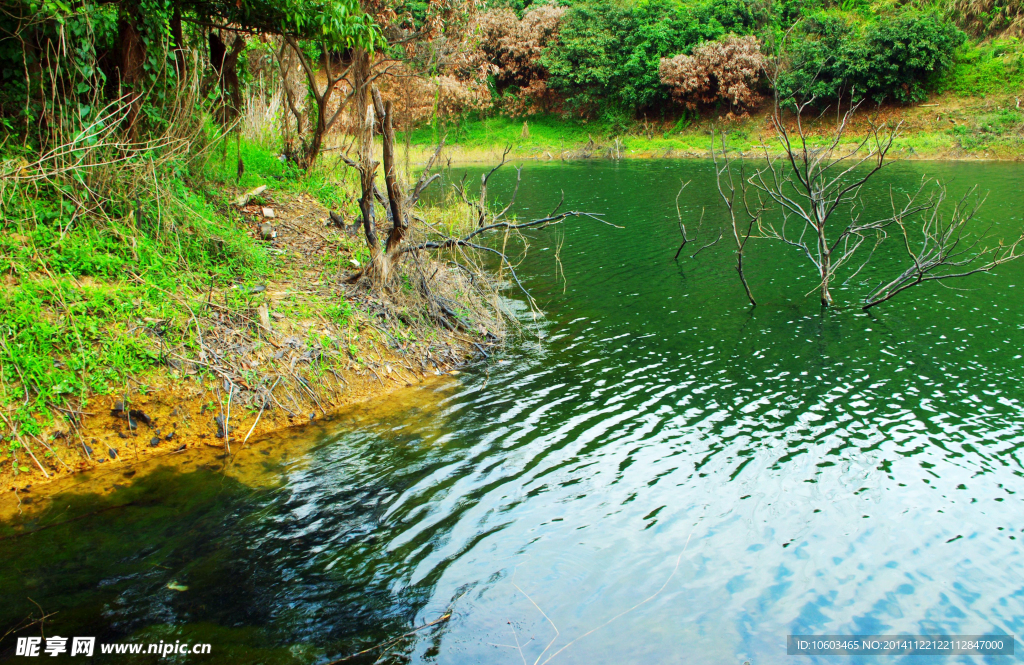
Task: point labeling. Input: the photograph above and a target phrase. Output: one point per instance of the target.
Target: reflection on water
(664, 476)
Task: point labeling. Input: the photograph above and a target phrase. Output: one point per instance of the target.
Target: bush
(898, 58)
(608, 55)
(726, 70)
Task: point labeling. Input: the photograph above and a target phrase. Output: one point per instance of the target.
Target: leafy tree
(60, 62)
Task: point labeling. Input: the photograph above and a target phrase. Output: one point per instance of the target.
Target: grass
(986, 68)
(85, 306)
(947, 128)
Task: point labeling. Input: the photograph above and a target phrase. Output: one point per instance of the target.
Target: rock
(137, 414)
(221, 431)
(267, 231)
(269, 213)
(154, 442)
(112, 452)
(244, 199)
(169, 436)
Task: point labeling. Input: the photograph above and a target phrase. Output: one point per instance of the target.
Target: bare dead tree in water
(479, 204)
(743, 230)
(811, 180)
(943, 249)
(817, 183)
(683, 232)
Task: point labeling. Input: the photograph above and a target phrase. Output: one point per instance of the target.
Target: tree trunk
(317, 142)
(133, 55)
(287, 60)
(399, 222)
(377, 269)
(825, 258)
(826, 269)
(743, 278)
(179, 43)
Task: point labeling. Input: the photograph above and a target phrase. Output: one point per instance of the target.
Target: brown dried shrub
(514, 46)
(726, 70)
(460, 88)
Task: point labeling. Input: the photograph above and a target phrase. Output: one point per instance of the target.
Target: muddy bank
(181, 436)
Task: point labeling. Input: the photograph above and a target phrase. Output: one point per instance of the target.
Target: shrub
(898, 58)
(995, 66)
(727, 70)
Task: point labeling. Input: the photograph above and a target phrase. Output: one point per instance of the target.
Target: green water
(659, 475)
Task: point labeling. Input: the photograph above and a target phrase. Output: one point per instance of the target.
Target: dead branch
(943, 249)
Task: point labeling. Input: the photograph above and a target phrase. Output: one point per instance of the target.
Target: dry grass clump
(457, 288)
(989, 17)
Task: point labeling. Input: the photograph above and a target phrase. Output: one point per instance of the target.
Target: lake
(655, 473)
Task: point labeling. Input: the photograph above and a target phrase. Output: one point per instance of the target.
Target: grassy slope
(98, 309)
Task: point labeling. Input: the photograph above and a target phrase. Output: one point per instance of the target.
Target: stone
(243, 200)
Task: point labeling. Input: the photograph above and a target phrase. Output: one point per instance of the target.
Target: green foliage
(64, 340)
(900, 57)
(607, 54)
(337, 23)
(339, 312)
(86, 305)
(986, 68)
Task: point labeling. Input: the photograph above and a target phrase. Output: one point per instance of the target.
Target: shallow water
(663, 476)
